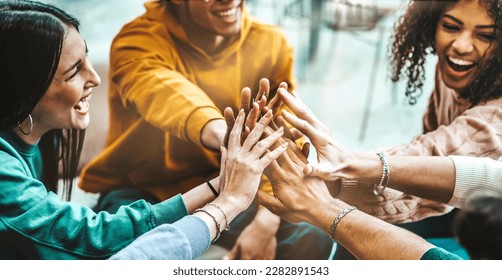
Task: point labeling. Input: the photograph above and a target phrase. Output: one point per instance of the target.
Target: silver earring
(31, 126)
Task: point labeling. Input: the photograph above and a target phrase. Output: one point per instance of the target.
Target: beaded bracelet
(384, 180)
(216, 221)
(216, 194)
(338, 219)
(224, 214)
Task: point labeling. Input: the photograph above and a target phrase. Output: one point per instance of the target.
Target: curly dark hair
(414, 39)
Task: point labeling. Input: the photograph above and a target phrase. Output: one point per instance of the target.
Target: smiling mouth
(227, 13)
(83, 104)
(460, 65)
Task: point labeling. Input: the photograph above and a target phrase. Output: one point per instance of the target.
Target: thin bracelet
(338, 219)
(216, 194)
(224, 214)
(216, 221)
(384, 180)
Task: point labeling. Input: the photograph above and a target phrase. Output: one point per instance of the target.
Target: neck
(31, 139)
(208, 42)
(33, 136)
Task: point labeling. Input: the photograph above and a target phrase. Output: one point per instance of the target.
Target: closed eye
(78, 68)
(450, 27)
(487, 36)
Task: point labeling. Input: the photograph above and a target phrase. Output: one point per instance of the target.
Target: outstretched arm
(428, 177)
(301, 198)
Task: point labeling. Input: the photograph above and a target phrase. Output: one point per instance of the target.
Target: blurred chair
(352, 16)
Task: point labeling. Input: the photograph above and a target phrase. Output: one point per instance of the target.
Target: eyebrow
(73, 66)
(461, 23)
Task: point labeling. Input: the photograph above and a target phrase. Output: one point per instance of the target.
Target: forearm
(200, 195)
(226, 207)
(367, 237)
(267, 219)
(427, 177)
(212, 134)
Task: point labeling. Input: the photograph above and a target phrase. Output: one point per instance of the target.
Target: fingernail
(268, 114)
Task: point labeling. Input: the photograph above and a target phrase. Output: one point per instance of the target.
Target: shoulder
(267, 31)
(497, 102)
(150, 25)
(9, 157)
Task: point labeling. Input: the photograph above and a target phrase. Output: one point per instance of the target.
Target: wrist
(212, 134)
(363, 167)
(323, 215)
(232, 205)
(213, 187)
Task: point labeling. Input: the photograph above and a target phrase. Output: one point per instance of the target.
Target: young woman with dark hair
(416, 37)
(46, 81)
(464, 115)
(37, 56)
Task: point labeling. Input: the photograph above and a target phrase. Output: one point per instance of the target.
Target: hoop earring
(31, 126)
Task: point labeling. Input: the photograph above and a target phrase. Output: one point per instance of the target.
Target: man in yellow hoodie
(172, 72)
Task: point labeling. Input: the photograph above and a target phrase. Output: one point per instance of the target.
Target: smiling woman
(464, 116)
(46, 81)
(464, 40)
(65, 104)
(47, 104)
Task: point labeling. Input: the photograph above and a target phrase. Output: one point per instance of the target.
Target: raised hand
(332, 157)
(243, 163)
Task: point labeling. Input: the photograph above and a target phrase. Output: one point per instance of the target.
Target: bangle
(216, 221)
(384, 180)
(216, 194)
(338, 219)
(224, 214)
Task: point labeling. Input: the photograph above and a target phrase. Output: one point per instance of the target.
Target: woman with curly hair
(464, 116)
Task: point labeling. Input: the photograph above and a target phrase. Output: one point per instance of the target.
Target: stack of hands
(261, 140)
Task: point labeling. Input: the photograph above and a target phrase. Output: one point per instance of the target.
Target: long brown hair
(31, 40)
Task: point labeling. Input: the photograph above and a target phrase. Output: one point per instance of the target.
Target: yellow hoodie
(163, 90)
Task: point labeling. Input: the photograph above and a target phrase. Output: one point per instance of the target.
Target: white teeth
(460, 62)
(227, 13)
(83, 104)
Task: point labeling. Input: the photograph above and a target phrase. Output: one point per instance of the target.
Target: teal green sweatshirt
(37, 224)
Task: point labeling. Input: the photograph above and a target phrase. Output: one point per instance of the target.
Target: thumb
(322, 171)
